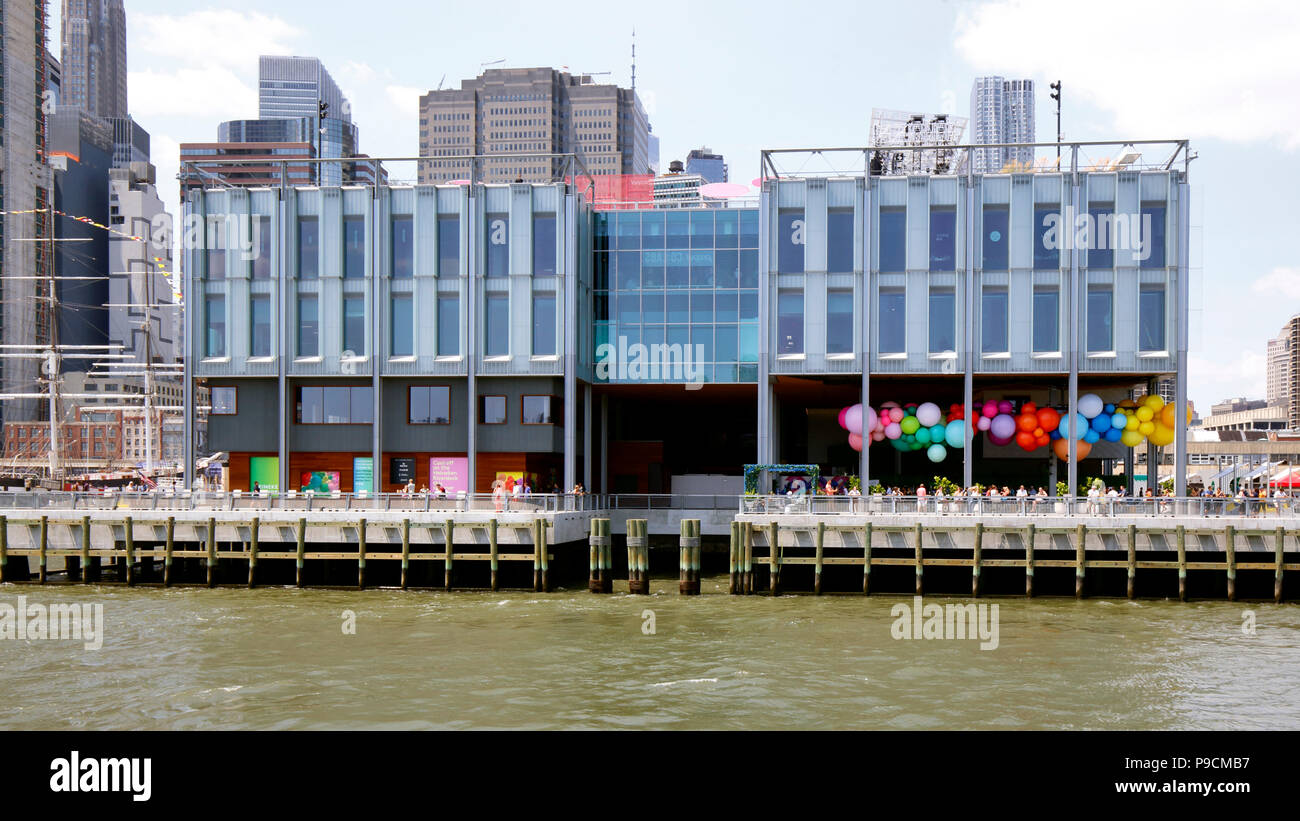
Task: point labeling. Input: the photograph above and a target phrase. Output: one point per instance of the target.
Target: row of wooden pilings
(638, 557)
(89, 560)
(742, 560)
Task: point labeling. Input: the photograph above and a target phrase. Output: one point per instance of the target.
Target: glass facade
(1152, 253)
(1100, 244)
(839, 322)
(544, 340)
(892, 330)
(260, 324)
(544, 245)
(996, 219)
(1151, 318)
(943, 239)
(893, 240)
(403, 326)
(215, 310)
(448, 245)
(685, 278)
(354, 325)
(790, 233)
(448, 325)
(354, 247)
(1047, 320)
(308, 248)
(993, 321)
(429, 405)
(1047, 248)
(496, 333)
(839, 241)
(498, 245)
(1101, 299)
(943, 320)
(789, 322)
(262, 260)
(308, 327)
(403, 261)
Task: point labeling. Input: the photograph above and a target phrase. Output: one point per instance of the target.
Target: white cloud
(1284, 282)
(1193, 69)
(407, 101)
(225, 96)
(232, 39)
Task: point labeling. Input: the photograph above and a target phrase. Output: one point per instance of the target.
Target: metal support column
(1072, 408)
(968, 331)
(765, 443)
(1180, 325)
(470, 312)
(570, 359)
(865, 303)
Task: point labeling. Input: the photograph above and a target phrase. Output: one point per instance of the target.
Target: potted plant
(1062, 491)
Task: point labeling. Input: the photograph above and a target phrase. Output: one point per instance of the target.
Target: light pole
(1056, 95)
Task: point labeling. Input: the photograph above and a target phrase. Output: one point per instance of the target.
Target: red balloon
(1026, 422)
(1026, 440)
(1029, 407)
(1042, 439)
(1048, 419)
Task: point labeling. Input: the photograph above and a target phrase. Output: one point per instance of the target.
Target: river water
(275, 658)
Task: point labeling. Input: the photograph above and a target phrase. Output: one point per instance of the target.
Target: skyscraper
(712, 167)
(1283, 375)
(1001, 111)
(293, 88)
(24, 197)
(517, 111)
(94, 57)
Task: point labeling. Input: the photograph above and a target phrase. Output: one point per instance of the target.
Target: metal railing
(294, 501)
(1209, 507)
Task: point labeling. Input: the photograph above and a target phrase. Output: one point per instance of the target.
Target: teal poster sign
(363, 474)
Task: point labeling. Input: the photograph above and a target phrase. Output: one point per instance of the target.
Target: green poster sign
(264, 473)
(363, 474)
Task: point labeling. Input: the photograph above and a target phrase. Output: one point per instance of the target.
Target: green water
(279, 659)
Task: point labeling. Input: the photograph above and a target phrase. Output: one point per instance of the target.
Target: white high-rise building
(1001, 111)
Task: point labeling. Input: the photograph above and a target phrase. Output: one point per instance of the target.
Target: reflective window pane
(995, 238)
(1047, 237)
(498, 245)
(544, 245)
(943, 239)
(839, 322)
(496, 334)
(544, 342)
(354, 247)
(789, 322)
(403, 262)
(943, 321)
(308, 327)
(993, 321)
(893, 240)
(1100, 305)
(1047, 320)
(790, 241)
(1151, 318)
(839, 241)
(892, 336)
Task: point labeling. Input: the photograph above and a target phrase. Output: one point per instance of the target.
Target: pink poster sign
(452, 472)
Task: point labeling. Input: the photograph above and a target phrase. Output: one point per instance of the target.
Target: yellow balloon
(1144, 413)
(1162, 436)
(1131, 423)
(1131, 438)
(1147, 428)
(1154, 401)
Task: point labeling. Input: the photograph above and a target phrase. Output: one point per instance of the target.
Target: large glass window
(448, 325)
(354, 247)
(678, 229)
(701, 269)
(628, 273)
(403, 326)
(1101, 300)
(544, 324)
(335, 405)
(262, 245)
(492, 410)
(1151, 318)
(354, 325)
(996, 218)
(215, 310)
(448, 245)
(652, 269)
(701, 229)
(308, 248)
(749, 228)
(1101, 253)
(993, 321)
(727, 229)
(839, 241)
(308, 327)
(839, 322)
(1047, 320)
(1152, 254)
(403, 247)
(789, 322)
(943, 239)
(943, 320)
(543, 245)
(497, 332)
(1047, 237)
(498, 245)
(259, 344)
(540, 410)
(892, 331)
(216, 247)
(224, 401)
(429, 405)
(893, 240)
(790, 241)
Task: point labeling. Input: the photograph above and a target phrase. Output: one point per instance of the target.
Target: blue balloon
(1091, 437)
(1113, 435)
(1108, 409)
(1081, 426)
(937, 433)
(955, 433)
(1117, 422)
(1056, 434)
(1100, 423)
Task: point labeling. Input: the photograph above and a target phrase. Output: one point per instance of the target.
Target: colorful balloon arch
(927, 427)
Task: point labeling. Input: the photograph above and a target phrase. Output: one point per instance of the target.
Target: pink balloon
(853, 419)
(990, 409)
(1005, 406)
(869, 420)
(893, 431)
(878, 435)
(983, 423)
(841, 417)
(855, 441)
(896, 414)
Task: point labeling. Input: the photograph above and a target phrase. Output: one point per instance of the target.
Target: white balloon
(1090, 405)
(928, 414)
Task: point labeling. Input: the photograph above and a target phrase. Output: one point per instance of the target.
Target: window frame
(212, 400)
(429, 387)
(482, 408)
(554, 412)
(297, 403)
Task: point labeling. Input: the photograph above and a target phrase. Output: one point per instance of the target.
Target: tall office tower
(516, 111)
(1279, 358)
(1001, 111)
(712, 167)
(94, 57)
(130, 142)
(291, 88)
(139, 271)
(24, 198)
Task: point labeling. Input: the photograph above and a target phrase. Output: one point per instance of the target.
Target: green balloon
(910, 424)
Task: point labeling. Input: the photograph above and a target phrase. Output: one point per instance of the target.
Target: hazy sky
(743, 76)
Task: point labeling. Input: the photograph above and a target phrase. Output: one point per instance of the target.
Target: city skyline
(772, 106)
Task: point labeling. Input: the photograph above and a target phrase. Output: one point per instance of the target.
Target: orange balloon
(1026, 422)
(1048, 419)
(1061, 447)
(1026, 440)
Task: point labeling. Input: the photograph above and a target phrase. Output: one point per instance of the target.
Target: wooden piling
(361, 554)
(406, 550)
(1029, 560)
(1132, 560)
(449, 543)
(976, 558)
(820, 558)
(732, 579)
(920, 565)
(128, 540)
(1279, 539)
(167, 548)
(493, 555)
(1180, 537)
(44, 547)
(4, 548)
(537, 557)
(1080, 559)
(212, 552)
(774, 558)
(638, 557)
(598, 541)
(689, 582)
(545, 555)
(1230, 545)
(252, 553)
(747, 570)
(302, 552)
(866, 558)
(90, 564)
